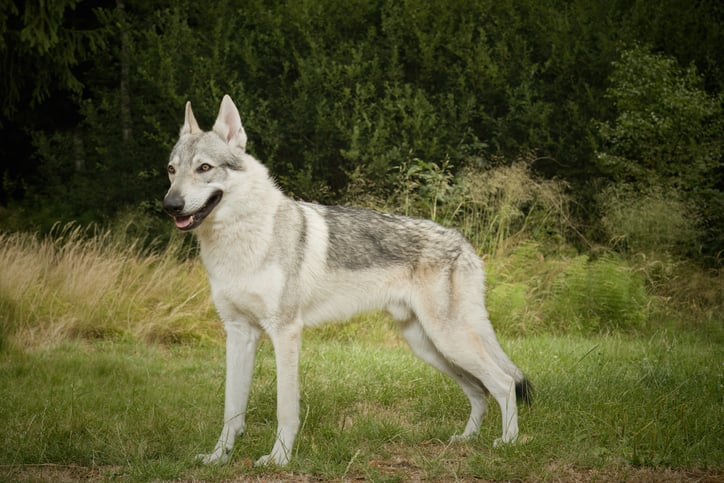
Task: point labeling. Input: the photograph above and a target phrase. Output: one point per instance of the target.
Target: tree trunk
(125, 95)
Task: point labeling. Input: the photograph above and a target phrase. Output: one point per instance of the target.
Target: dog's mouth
(189, 222)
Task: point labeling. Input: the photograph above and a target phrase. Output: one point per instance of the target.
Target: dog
(276, 265)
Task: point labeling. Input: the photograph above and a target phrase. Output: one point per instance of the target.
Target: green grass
(112, 367)
(611, 406)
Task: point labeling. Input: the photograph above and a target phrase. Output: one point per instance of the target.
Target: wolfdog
(276, 265)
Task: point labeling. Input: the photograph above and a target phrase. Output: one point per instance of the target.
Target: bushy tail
(523, 387)
(524, 391)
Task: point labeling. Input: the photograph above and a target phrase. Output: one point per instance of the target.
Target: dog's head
(201, 163)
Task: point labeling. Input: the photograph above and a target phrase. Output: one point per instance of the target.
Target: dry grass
(495, 208)
(71, 284)
(509, 204)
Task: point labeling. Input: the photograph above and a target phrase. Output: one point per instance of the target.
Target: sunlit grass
(71, 284)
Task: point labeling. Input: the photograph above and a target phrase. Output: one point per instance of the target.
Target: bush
(656, 220)
(494, 208)
(529, 292)
(598, 295)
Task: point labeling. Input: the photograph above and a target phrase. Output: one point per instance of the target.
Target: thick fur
(276, 265)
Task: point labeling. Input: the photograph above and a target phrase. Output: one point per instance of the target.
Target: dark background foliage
(604, 93)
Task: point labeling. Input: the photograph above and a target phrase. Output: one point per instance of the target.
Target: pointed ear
(228, 124)
(190, 125)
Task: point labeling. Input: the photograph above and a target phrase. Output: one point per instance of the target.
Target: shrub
(655, 220)
(529, 292)
(597, 295)
(494, 208)
(666, 133)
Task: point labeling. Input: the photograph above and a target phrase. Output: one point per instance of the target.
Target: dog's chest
(254, 295)
(243, 285)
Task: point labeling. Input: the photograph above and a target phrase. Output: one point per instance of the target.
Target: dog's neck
(250, 233)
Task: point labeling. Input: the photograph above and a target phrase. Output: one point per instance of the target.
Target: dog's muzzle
(174, 205)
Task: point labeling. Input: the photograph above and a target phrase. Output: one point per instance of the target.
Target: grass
(75, 283)
(112, 361)
(607, 405)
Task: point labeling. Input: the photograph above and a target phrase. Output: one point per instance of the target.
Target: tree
(666, 135)
(45, 52)
(667, 129)
(40, 47)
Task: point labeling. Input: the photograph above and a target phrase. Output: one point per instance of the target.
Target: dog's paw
(218, 457)
(265, 460)
(500, 442)
(460, 438)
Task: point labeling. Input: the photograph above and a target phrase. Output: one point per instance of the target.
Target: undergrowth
(530, 292)
(100, 284)
(73, 285)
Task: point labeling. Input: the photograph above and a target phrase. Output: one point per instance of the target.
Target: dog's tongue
(183, 221)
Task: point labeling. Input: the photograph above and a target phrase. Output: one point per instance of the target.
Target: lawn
(607, 407)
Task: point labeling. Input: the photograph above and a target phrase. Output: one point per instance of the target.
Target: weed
(494, 209)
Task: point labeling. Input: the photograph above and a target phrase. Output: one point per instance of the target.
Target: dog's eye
(171, 170)
(205, 167)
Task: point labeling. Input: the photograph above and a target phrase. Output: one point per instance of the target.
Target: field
(112, 361)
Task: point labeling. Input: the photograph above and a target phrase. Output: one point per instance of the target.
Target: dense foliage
(622, 100)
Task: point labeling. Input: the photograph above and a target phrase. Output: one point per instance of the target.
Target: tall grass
(495, 209)
(86, 283)
(76, 283)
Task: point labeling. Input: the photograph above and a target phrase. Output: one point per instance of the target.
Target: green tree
(666, 134)
(41, 44)
(667, 130)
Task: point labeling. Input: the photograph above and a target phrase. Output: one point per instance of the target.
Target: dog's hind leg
(241, 342)
(473, 389)
(459, 342)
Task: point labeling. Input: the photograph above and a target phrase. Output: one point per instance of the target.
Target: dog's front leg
(241, 342)
(287, 341)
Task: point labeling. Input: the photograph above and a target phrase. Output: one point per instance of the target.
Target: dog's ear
(190, 125)
(228, 124)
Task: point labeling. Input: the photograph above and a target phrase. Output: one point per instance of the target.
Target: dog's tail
(524, 391)
(523, 387)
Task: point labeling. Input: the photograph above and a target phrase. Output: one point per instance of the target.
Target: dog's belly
(347, 295)
(267, 294)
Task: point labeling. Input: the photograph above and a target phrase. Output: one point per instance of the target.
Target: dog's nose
(173, 204)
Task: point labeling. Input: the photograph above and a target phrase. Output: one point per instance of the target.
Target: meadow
(112, 363)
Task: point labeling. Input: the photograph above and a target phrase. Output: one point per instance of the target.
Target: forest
(620, 102)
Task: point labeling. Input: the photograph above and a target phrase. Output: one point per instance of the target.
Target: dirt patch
(574, 474)
(396, 467)
(58, 473)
